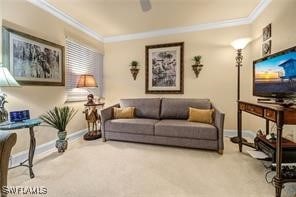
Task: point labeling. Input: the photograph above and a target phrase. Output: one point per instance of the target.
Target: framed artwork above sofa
(164, 68)
(31, 60)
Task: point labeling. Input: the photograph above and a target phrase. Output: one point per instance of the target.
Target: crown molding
(43, 4)
(178, 30)
(194, 28)
(258, 10)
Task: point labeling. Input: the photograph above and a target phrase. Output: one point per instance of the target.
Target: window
(82, 60)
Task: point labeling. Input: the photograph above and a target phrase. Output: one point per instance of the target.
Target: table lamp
(91, 113)
(6, 80)
(239, 45)
(87, 81)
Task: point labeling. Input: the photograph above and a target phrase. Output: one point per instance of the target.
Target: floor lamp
(239, 45)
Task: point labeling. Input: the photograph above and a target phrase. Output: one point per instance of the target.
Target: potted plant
(197, 66)
(58, 118)
(134, 69)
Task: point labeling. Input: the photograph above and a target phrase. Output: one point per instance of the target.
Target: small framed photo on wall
(267, 32)
(266, 48)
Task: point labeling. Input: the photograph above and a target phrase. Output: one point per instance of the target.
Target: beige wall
(1, 31)
(25, 17)
(217, 80)
(281, 13)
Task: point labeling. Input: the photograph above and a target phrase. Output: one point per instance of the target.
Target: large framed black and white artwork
(164, 68)
(31, 60)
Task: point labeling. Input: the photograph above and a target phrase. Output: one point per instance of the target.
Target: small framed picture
(266, 48)
(267, 32)
(164, 68)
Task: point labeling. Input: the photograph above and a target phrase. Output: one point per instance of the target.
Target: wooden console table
(278, 115)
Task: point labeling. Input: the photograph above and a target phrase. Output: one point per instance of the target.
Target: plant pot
(62, 142)
(61, 145)
(134, 72)
(62, 135)
(197, 69)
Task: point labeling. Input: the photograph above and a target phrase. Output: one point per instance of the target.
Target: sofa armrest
(106, 114)
(7, 141)
(219, 123)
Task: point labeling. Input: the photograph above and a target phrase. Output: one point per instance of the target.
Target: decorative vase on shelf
(134, 69)
(134, 72)
(197, 67)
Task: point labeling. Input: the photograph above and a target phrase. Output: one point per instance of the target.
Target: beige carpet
(119, 169)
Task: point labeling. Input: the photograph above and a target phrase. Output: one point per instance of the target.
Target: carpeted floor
(119, 169)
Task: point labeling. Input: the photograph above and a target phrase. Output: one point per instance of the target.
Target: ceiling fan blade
(146, 5)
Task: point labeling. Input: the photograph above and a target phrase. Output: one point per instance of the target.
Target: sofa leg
(220, 151)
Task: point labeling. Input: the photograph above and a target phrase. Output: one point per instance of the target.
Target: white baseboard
(245, 133)
(16, 159)
(50, 146)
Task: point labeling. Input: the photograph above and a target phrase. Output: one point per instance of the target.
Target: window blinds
(82, 60)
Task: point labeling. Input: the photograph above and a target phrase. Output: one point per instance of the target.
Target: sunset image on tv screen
(277, 74)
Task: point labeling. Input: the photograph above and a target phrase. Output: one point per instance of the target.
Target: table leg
(278, 176)
(239, 129)
(267, 127)
(32, 151)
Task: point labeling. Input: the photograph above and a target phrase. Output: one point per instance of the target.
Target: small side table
(30, 124)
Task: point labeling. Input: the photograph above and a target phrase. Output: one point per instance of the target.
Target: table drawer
(242, 106)
(270, 114)
(254, 110)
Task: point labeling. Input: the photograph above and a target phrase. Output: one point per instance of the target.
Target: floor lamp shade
(240, 43)
(87, 81)
(6, 79)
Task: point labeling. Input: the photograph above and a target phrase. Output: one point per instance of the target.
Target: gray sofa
(164, 121)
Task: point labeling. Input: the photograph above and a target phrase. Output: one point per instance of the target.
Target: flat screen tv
(275, 75)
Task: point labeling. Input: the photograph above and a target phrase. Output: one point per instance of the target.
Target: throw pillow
(201, 115)
(125, 112)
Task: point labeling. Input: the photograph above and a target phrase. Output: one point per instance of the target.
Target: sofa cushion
(145, 107)
(123, 113)
(201, 115)
(135, 126)
(183, 128)
(172, 108)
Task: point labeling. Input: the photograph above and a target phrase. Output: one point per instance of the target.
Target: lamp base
(92, 135)
(3, 115)
(235, 140)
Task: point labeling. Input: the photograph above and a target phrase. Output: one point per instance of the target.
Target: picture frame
(266, 48)
(32, 60)
(267, 32)
(164, 70)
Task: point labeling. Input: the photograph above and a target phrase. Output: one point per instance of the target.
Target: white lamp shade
(240, 43)
(6, 79)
